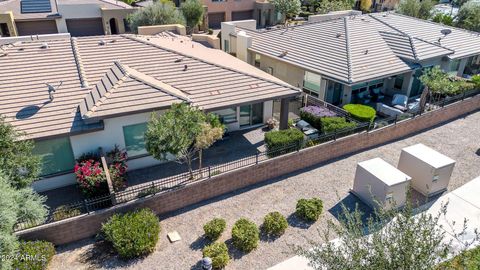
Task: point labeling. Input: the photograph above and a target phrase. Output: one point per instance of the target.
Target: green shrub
(332, 124)
(65, 211)
(149, 191)
(214, 228)
(218, 252)
(210, 31)
(279, 142)
(275, 224)
(362, 113)
(33, 255)
(476, 81)
(245, 235)
(309, 209)
(132, 234)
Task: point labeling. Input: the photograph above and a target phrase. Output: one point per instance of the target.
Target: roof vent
(366, 51)
(339, 35)
(178, 60)
(185, 67)
(44, 46)
(102, 42)
(284, 53)
(52, 89)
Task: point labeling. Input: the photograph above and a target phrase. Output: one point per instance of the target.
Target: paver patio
(330, 181)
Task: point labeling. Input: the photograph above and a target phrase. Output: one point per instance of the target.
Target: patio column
(284, 113)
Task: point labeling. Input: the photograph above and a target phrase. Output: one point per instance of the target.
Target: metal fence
(181, 180)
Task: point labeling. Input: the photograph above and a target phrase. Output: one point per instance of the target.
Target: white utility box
(375, 179)
(430, 170)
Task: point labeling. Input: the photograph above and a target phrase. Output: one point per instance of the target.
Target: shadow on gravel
(296, 222)
(101, 255)
(199, 243)
(197, 266)
(267, 238)
(233, 251)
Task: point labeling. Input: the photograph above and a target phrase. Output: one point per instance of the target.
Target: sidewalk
(463, 203)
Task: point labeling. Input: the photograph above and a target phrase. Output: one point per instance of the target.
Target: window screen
(135, 139)
(56, 155)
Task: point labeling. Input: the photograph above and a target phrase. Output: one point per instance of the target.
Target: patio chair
(400, 102)
(364, 97)
(377, 92)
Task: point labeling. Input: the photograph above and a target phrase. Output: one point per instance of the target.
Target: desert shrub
(331, 124)
(404, 116)
(279, 142)
(476, 81)
(149, 191)
(245, 235)
(33, 255)
(214, 228)
(309, 209)
(275, 224)
(218, 252)
(132, 234)
(91, 178)
(210, 31)
(65, 211)
(362, 113)
(314, 115)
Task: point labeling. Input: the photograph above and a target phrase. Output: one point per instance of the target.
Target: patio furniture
(379, 184)
(387, 110)
(307, 129)
(377, 92)
(364, 97)
(400, 102)
(429, 169)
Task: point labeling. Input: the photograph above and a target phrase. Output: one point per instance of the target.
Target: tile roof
(103, 76)
(361, 48)
(347, 50)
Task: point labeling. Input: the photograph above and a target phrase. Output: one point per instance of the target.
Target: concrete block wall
(84, 226)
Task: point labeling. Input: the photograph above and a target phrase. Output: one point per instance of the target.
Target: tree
(289, 8)
(415, 8)
(468, 16)
(16, 159)
(397, 239)
(160, 12)
(182, 131)
(192, 10)
(443, 19)
(17, 205)
(326, 6)
(365, 5)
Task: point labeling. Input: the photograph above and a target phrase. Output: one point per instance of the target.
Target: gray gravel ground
(459, 140)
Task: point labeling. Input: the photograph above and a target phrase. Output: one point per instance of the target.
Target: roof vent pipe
(185, 67)
(44, 46)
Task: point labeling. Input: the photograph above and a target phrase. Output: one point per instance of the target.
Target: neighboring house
(74, 95)
(77, 17)
(343, 60)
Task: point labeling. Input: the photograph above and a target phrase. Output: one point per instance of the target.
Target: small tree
(17, 205)
(182, 131)
(17, 162)
(289, 8)
(469, 16)
(326, 6)
(397, 239)
(415, 8)
(365, 5)
(160, 12)
(192, 10)
(443, 19)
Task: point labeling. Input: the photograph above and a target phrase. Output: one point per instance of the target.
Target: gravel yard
(459, 140)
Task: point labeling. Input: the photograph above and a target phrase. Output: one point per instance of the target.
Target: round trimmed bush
(245, 235)
(218, 252)
(33, 255)
(275, 224)
(214, 228)
(132, 234)
(362, 113)
(309, 209)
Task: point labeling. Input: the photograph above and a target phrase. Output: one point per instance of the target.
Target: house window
(4, 32)
(134, 136)
(56, 155)
(453, 66)
(311, 82)
(398, 82)
(226, 46)
(257, 60)
(227, 116)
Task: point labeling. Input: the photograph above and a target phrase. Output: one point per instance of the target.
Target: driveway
(329, 181)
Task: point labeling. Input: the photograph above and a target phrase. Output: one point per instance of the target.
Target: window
(257, 60)
(56, 155)
(135, 139)
(398, 82)
(4, 32)
(226, 47)
(453, 66)
(311, 82)
(228, 115)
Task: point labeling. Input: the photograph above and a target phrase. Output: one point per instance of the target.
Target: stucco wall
(155, 29)
(229, 6)
(286, 72)
(7, 17)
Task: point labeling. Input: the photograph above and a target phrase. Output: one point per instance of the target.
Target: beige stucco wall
(212, 40)
(288, 73)
(7, 17)
(229, 6)
(155, 29)
(119, 15)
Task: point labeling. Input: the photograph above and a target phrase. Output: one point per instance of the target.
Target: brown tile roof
(81, 69)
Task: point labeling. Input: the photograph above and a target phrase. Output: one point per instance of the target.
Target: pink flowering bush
(118, 168)
(91, 178)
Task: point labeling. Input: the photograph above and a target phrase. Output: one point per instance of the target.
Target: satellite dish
(446, 31)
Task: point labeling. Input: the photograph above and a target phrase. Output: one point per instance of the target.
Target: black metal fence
(181, 180)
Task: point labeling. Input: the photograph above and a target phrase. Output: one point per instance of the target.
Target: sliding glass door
(251, 115)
